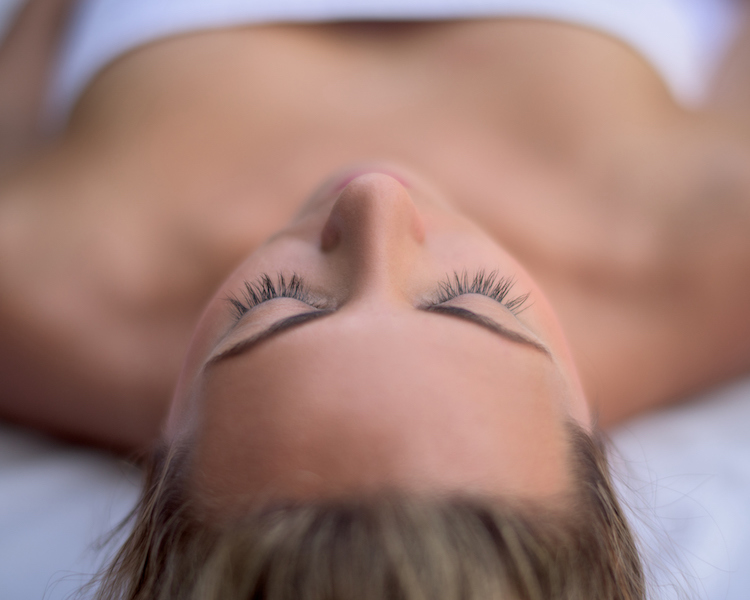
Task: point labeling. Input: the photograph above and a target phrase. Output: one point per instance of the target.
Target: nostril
(373, 210)
(418, 228)
(331, 235)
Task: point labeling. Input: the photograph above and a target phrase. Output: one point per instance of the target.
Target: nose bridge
(376, 228)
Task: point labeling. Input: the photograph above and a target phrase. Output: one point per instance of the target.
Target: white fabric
(56, 504)
(685, 473)
(681, 38)
(8, 11)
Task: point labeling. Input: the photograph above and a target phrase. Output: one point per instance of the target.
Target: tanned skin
(183, 156)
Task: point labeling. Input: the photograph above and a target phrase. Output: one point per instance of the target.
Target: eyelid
(482, 308)
(272, 302)
(240, 326)
(488, 284)
(263, 289)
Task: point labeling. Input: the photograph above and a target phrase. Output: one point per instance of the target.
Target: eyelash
(486, 284)
(264, 289)
(483, 283)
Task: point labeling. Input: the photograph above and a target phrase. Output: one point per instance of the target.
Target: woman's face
(390, 347)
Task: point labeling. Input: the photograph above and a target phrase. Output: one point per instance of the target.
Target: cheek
(287, 256)
(538, 313)
(543, 317)
(466, 252)
(207, 333)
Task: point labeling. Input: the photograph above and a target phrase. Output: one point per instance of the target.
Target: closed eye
(264, 289)
(486, 284)
(280, 326)
(491, 285)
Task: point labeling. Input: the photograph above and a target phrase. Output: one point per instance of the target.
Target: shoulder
(658, 310)
(26, 55)
(78, 358)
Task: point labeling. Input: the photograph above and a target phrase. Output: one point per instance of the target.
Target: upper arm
(26, 56)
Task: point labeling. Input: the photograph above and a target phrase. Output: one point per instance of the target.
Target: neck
(172, 183)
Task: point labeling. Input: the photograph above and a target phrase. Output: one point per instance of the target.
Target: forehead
(426, 402)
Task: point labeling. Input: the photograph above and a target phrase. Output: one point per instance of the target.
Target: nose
(375, 229)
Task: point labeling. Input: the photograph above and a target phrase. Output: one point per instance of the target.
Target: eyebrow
(487, 323)
(288, 323)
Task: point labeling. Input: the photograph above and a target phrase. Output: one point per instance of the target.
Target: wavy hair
(383, 547)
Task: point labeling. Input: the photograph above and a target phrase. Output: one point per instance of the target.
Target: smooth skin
(383, 390)
(545, 152)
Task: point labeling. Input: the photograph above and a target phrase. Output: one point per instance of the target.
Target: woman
(383, 340)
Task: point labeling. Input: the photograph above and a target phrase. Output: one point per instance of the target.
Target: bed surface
(56, 503)
(685, 473)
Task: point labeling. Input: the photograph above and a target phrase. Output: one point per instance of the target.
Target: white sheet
(8, 11)
(56, 502)
(682, 39)
(685, 471)
(686, 474)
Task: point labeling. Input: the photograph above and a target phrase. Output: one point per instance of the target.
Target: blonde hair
(389, 547)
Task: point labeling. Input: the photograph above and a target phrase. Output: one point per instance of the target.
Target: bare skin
(629, 213)
(25, 65)
(383, 384)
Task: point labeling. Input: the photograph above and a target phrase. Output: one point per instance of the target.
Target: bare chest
(275, 109)
(220, 136)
